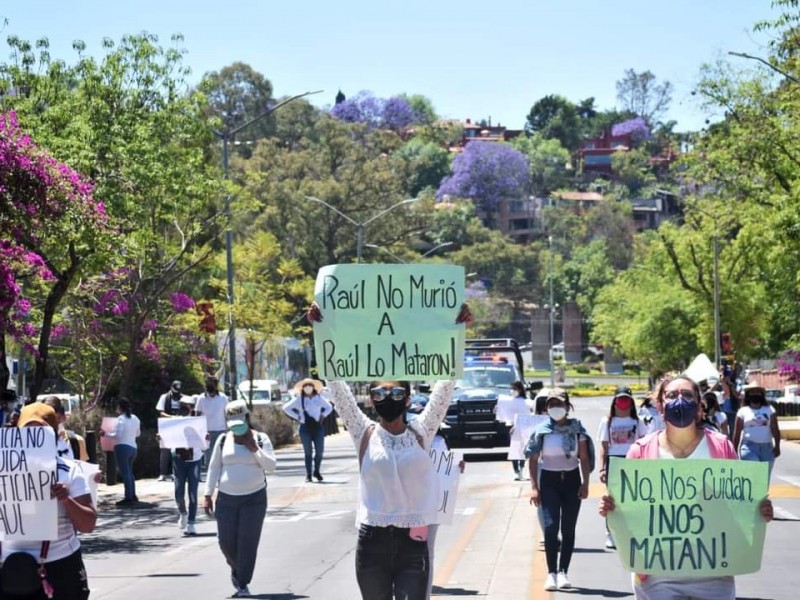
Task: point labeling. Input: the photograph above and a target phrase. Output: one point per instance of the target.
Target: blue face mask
(239, 428)
(681, 412)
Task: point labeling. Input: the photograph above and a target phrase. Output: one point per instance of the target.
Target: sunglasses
(673, 394)
(398, 393)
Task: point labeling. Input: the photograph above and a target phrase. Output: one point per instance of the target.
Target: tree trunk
(5, 374)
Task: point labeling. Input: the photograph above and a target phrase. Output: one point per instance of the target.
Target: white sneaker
(562, 581)
(550, 584)
(190, 530)
(610, 544)
(182, 521)
(161, 478)
(242, 592)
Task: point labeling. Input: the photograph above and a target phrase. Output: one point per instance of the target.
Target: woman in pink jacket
(678, 399)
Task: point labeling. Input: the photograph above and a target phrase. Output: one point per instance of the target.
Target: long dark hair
(125, 406)
(632, 410)
(518, 387)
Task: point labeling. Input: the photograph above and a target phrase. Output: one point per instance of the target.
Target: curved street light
(227, 137)
(360, 226)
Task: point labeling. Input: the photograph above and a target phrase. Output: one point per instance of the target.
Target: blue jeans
(318, 440)
(212, 440)
(761, 452)
(186, 471)
(124, 456)
(561, 504)
(389, 564)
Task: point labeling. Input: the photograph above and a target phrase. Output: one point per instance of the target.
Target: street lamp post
(552, 315)
(360, 226)
(227, 136)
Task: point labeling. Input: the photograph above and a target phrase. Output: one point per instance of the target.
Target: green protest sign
(691, 518)
(389, 322)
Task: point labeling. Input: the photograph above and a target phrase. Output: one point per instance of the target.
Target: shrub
(273, 421)
(583, 369)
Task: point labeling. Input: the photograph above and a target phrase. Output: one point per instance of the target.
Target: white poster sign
(183, 432)
(445, 464)
(523, 428)
(108, 425)
(90, 470)
(27, 473)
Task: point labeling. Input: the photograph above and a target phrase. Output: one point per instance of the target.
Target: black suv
(490, 367)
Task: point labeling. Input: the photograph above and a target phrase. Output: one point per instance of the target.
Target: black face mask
(211, 389)
(389, 409)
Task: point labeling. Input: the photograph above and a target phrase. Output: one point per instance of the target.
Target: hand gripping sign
(699, 518)
(389, 322)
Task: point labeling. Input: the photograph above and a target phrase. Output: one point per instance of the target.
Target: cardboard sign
(389, 322)
(699, 518)
(108, 425)
(183, 432)
(523, 428)
(445, 464)
(27, 473)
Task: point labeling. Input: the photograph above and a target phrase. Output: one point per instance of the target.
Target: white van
(264, 390)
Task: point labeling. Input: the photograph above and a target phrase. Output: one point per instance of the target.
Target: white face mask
(308, 389)
(557, 412)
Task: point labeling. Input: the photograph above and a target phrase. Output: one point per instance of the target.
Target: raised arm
(347, 407)
(436, 409)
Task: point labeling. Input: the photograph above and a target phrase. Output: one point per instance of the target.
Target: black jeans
(561, 504)
(518, 465)
(389, 564)
(68, 578)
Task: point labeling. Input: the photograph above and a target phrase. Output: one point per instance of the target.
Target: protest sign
(445, 464)
(523, 428)
(699, 518)
(389, 322)
(183, 432)
(107, 443)
(27, 473)
(90, 470)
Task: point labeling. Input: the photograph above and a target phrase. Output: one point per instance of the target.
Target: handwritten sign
(523, 428)
(27, 473)
(183, 432)
(445, 464)
(107, 443)
(389, 322)
(696, 517)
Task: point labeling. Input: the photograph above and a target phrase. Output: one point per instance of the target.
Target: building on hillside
(649, 213)
(484, 132)
(519, 218)
(595, 154)
(578, 202)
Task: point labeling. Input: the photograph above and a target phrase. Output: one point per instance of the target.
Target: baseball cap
(236, 412)
(38, 412)
(623, 390)
(558, 393)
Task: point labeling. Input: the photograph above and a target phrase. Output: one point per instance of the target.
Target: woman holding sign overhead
(678, 399)
(398, 488)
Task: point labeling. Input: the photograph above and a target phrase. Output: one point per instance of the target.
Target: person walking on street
(310, 409)
(186, 470)
(562, 449)
(211, 404)
(649, 416)
(678, 399)
(398, 490)
(712, 414)
(756, 435)
(126, 430)
(239, 461)
(618, 430)
(62, 568)
(519, 405)
(730, 399)
(168, 405)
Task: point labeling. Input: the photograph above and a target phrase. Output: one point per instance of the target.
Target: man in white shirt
(211, 404)
(168, 405)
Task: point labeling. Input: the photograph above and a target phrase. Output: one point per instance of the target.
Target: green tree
(555, 117)
(549, 162)
(633, 169)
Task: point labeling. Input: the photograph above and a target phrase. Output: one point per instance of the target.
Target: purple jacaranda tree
(487, 172)
(789, 365)
(637, 128)
(49, 223)
(394, 113)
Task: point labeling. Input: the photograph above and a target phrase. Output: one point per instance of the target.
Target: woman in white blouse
(239, 460)
(126, 430)
(309, 408)
(397, 487)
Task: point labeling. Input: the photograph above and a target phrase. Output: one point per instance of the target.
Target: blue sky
(472, 59)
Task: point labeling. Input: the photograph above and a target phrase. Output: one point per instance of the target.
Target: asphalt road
(308, 541)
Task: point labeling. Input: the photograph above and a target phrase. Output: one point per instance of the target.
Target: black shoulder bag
(311, 425)
(21, 575)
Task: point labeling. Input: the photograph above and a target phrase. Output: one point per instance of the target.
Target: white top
(236, 471)
(700, 451)
(174, 403)
(552, 457)
(397, 484)
(651, 419)
(63, 447)
(620, 435)
(316, 406)
(126, 430)
(756, 424)
(509, 408)
(213, 409)
(70, 474)
(719, 418)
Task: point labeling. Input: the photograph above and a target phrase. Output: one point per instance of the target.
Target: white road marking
(795, 481)
(469, 511)
(784, 514)
(334, 514)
